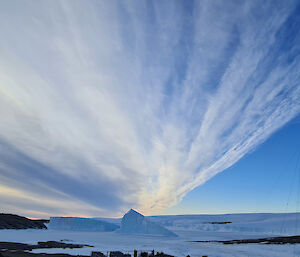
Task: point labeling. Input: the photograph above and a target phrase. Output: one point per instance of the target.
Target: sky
(167, 107)
(265, 180)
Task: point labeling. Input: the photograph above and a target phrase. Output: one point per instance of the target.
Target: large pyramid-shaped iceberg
(135, 223)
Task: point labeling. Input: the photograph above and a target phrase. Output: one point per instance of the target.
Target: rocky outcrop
(12, 221)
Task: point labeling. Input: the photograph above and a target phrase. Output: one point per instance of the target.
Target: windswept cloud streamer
(107, 105)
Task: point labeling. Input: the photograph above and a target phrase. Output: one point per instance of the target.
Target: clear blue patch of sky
(266, 180)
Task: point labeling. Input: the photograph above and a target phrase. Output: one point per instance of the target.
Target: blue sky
(112, 105)
(265, 180)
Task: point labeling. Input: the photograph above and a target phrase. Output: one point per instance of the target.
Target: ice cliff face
(80, 224)
(135, 223)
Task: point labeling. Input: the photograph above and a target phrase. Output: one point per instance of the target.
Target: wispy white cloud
(109, 105)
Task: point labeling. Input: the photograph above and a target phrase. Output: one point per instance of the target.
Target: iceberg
(136, 223)
(80, 224)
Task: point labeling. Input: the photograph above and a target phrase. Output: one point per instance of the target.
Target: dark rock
(118, 254)
(55, 244)
(12, 221)
(144, 254)
(41, 245)
(163, 255)
(267, 240)
(97, 254)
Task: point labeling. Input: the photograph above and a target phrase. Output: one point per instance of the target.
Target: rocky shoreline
(10, 249)
(267, 240)
(12, 221)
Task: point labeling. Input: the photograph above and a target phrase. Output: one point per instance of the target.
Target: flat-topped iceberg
(135, 223)
(80, 224)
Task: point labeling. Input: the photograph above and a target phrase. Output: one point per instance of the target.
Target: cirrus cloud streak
(110, 105)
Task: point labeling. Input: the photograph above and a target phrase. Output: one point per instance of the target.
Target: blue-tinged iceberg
(80, 224)
(135, 223)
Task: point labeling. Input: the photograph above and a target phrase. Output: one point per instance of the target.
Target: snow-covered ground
(276, 223)
(184, 227)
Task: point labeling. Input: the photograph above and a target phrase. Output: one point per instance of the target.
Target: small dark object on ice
(144, 254)
(97, 254)
(161, 254)
(152, 254)
(119, 254)
(217, 223)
